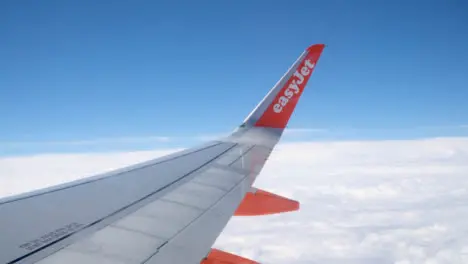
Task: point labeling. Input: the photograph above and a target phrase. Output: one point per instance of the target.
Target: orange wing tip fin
(279, 111)
(316, 47)
(217, 256)
(265, 203)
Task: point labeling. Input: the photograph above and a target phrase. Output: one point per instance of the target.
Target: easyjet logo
(294, 86)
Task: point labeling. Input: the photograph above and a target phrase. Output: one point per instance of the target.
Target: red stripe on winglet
(280, 110)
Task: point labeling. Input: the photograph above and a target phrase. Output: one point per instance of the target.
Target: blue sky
(106, 75)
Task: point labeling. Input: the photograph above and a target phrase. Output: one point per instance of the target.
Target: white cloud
(361, 202)
(25, 173)
(149, 142)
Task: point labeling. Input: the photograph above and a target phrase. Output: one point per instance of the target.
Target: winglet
(280, 110)
(278, 105)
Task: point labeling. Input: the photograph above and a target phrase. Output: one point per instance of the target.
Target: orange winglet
(280, 110)
(217, 256)
(264, 203)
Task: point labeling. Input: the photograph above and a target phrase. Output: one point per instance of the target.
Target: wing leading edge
(166, 210)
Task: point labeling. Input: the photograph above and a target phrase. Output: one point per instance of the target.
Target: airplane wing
(166, 210)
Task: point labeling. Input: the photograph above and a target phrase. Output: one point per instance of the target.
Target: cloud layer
(150, 142)
(361, 202)
(26, 173)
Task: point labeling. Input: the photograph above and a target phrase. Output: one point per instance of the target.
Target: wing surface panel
(26, 223)
(195, 242)
(179, 227)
